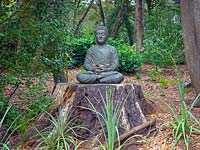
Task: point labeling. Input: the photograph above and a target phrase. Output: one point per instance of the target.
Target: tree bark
(118, 19)
(139, 23)
(102, 15)
(149, 5)
(77, 98)
(130, 133)
(128, 25)
(83, 17)
(77, 3)
(190, 15)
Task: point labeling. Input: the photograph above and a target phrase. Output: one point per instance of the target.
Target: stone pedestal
(78, 98)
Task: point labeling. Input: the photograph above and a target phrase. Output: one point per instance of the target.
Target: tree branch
(102, 15)
(118, 20)
(128, 134)
(16, 87)
(83, 17)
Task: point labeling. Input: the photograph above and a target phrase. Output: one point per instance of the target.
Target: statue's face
(101, 36)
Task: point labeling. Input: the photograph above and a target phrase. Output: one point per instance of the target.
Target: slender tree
(118, 19)
(83, 17)
(190, 14)
(101, 11)
(139, 23)
(127, 23)
(77, 4)
(149, 5)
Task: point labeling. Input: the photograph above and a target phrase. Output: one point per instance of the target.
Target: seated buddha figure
(101, 61)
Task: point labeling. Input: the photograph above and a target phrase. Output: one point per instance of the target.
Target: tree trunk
(128, 25)
(102, 15)
(190, 14)
(149, 5)
(118, 19)
(83, 17)
(139, 24)
(77, 3)
(77, 98)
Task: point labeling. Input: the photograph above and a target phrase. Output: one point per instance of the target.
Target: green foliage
(32, 109)
(60, 135)
(181, 126)
(188, 90)
(138, 75)
(163, 35)
(154, 74)
(3, 105)
(17, 121)
(129, 58)
(33, 42)
(146, 94)
(4, 141)
(78, 49)
(22, 123)
(40, 51)
(33, 38)
(34, 101)
(164, 83)
(4, 115)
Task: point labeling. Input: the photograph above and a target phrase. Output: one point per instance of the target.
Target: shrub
(129, 58)
(33, 39)
(78, 49)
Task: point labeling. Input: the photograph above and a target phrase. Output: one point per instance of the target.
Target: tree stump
(77, 98)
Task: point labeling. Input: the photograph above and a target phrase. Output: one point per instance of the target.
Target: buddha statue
(101, 61)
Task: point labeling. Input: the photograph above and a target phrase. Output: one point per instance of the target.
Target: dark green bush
(129, 58)
(33, 42)
(78, 49)
(34, 39)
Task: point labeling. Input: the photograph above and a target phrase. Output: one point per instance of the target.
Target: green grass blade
(184, 134)
(194, 118)
(8, 108)
(173, 111)
(194, 102)
(177, 139)
(195, 129)
(177, 130)
(99, 116)
(4, 146)
(10, 134)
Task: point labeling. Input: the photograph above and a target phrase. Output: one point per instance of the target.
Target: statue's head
(101, 35)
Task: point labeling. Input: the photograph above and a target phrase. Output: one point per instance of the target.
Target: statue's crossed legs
(104, 77)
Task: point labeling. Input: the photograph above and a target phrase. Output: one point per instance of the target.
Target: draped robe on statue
(103, 55)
